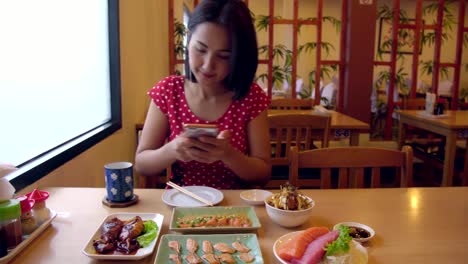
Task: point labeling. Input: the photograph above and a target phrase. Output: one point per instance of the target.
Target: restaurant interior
(356, 65)
(350, 84)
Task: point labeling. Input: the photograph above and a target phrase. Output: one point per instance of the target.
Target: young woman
(218, 88)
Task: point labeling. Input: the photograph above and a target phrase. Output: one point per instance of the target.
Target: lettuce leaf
(151, 230)
(341, 244)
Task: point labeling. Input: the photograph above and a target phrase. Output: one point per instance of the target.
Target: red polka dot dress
(169, 97)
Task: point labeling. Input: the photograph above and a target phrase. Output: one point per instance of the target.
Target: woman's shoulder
(171, 80)
(256, 93)
(166, 83)
(167, 87)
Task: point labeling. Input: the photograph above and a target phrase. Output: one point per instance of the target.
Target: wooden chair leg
(465, 167)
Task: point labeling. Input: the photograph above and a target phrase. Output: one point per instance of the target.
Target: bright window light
(54, 74)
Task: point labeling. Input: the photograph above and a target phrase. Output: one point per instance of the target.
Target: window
(59, 82)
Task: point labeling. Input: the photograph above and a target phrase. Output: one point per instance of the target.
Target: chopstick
(189, 193)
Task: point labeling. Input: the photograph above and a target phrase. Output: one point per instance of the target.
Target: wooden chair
(289, 104)
(299, 130)
(350, 163)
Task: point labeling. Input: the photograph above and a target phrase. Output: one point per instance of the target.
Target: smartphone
(197, 130)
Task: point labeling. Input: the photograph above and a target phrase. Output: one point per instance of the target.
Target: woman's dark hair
(235, 17)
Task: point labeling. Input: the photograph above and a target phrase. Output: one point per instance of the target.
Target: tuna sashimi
(316, 249)
(295, 247)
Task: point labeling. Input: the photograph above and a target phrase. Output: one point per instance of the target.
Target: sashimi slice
(316, 249)
(295, 247)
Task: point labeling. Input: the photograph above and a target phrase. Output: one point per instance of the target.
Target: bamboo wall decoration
(296, 22)
(437, 64)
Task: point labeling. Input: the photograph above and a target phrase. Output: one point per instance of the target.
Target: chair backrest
(350, 163)
(414, 104)
(290, 104)
(287, 130)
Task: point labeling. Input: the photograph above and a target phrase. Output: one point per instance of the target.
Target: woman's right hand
(182, 148)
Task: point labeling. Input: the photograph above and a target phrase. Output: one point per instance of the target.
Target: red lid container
(38, 195)
(26, 203)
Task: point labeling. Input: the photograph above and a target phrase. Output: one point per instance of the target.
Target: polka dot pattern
(169, 96)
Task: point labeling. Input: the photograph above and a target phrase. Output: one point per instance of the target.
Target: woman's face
(209, 53)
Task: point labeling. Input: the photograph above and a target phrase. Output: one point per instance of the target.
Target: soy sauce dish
(359, 232)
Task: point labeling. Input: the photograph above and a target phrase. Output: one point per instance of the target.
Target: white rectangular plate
(89, 250)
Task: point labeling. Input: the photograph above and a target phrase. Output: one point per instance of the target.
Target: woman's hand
(210, 149)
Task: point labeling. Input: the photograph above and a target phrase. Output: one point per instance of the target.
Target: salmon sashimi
(207, 247)
(174, 245)
(224, 248)
(191, 245)
(175, 258)
(295, 247)
(193, 258)
(211, 258)
(240, 247)
(226, 258)
(315, 250)
(246, 257)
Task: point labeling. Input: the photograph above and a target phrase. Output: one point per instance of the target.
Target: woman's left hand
(210, 149)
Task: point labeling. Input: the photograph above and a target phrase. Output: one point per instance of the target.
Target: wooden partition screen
(417, 28)
(295, 22)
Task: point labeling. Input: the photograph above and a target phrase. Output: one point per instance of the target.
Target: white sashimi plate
(89, 250)
(359, 253)
(173, 197)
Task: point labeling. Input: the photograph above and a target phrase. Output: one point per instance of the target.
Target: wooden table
(415, 225)
(339, 121)
(452, 127)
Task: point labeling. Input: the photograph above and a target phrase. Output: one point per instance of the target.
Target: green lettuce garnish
(149, 234)
(341, 244)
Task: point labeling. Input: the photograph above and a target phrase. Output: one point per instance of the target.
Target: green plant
(326, 70)
(463, 94)
(179, 35)
(427, 68)
(383, 79)
(280, 72)
(282, 56)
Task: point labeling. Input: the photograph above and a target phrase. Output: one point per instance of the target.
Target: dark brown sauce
(357, 232)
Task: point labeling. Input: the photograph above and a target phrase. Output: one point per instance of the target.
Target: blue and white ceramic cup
(119, 181)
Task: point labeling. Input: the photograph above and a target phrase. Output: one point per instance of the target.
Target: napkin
(6, 190)
(321, 109)
(430, 102)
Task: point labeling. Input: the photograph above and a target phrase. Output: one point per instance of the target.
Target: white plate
(173, 197)
(89, 250)
(365, 227)
(255, 196)
(356, 246)
(29, 239)
(423, 113)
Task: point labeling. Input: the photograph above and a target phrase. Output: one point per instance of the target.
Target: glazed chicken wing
(132, 228)
(110, 231)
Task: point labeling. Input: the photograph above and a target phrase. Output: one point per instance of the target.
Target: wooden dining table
(412, 225)
(453, 125)
(341, 125)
